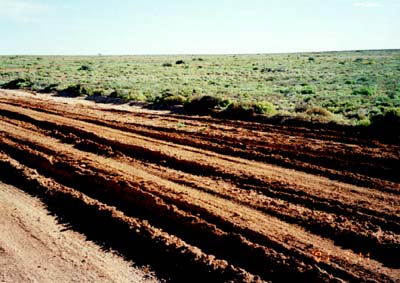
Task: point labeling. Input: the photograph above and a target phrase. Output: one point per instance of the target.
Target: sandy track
(227, 200)
(35, 248)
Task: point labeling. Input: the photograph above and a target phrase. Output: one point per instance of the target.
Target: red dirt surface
(34, 247)
(202, 199)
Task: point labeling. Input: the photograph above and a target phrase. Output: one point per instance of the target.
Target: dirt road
(35, 248)
(208, 200)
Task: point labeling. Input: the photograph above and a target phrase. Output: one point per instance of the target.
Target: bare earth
(196, 198)
(35, 248)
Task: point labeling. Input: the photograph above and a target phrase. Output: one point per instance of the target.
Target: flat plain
(344, 87)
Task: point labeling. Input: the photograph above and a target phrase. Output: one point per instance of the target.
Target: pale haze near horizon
(55, 27)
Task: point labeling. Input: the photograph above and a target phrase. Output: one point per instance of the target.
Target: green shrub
(383, 101)
(235, 110)
(365, 91)
(318, 111)
(170, 100)
(19, 83)
(50, 88)
(239, 110)
(85, 68)
(138, 95)
(167, 65)
(175, 100)
(366, 122)
(76, 90)
(362, 79)
(390, 117)
(224, 103)
(167, 99)
(203, 104)
(307, 90)
(98, 92)
(387, 124)
(264, 107)
(301, 107)
(393, 112)
(165, 93)
(120, 93)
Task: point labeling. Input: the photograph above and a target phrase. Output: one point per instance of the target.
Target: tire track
(249, 214)
(217, 209)
(303, 151)
(133, 237)
(347, 231)
(274, 181)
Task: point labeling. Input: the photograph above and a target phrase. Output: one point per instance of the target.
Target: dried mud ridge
(208, 200)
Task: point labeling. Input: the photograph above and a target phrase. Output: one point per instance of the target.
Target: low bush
(270, 70)
(224, 103)
(245, 110)
(264, 107)
(301, 107)
(307, 90)
(239, 111)
(167, 65)
(180, 62)
(50, 88)
(365, 91)
(319, 112)
(76, 90)
(209, 104)
(98, 92)
(362, 79)
(168, 99)
(202, 105)
(84, 68)
(387, 125)
(19, 83)
(366, 122)
(266, 70)
(389, 118)
(174, 100)
(120, 93)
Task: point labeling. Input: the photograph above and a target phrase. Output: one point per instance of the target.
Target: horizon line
(208, 54)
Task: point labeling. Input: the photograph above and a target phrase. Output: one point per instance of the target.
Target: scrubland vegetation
(356, 88)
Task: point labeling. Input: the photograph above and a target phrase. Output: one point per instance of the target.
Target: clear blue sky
(196, 26)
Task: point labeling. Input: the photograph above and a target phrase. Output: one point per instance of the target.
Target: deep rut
(237, 217)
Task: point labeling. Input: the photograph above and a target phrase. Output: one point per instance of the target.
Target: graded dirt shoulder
(35, 248)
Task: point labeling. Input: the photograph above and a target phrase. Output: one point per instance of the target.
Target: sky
(91, 27)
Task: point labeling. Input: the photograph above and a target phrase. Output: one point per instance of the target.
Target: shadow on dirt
(107, 100)
(101, 227)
